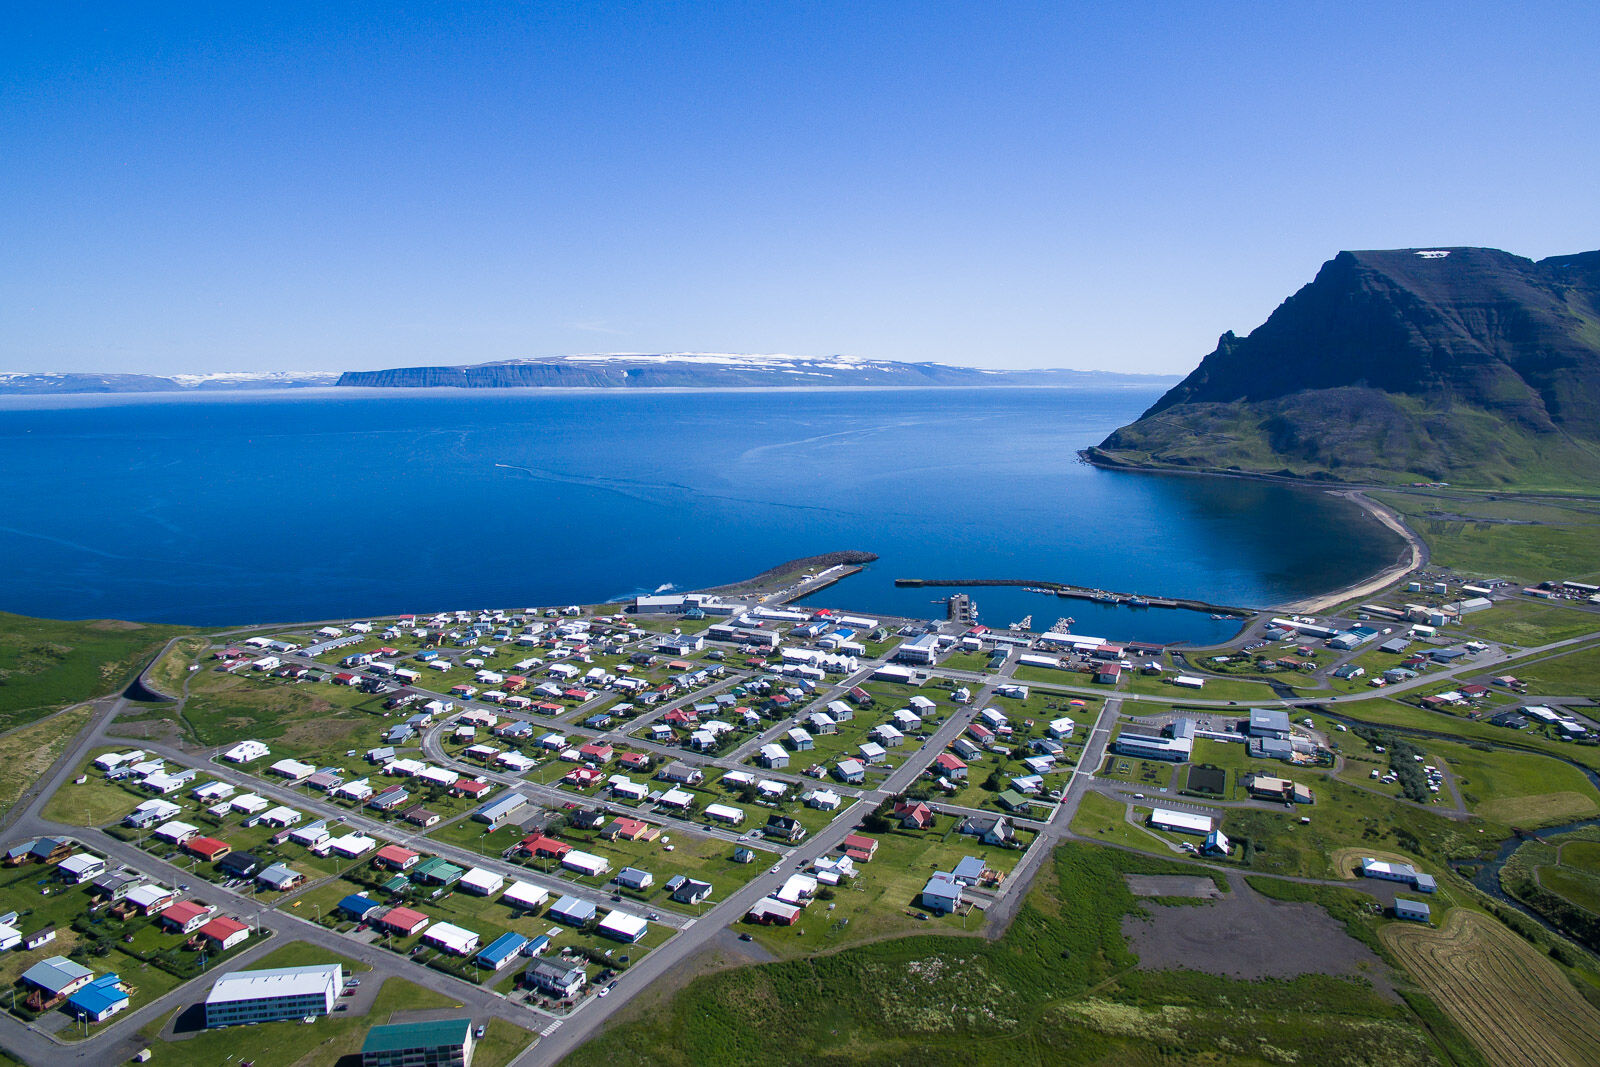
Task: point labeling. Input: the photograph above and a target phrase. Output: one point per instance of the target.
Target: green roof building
(440, 1044)
(435, 871)
(1011, 800)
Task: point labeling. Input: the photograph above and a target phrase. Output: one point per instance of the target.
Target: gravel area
(1171, 885)
(1243, 934)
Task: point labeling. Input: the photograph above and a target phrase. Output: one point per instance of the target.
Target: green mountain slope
(1467, 365)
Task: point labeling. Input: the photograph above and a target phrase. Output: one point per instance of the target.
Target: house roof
(221, 928)
(183, 912)
(55, 973)
(99, 996)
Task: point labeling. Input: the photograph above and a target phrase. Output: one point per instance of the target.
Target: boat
(1216, 618)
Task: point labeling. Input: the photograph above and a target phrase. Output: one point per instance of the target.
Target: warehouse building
(1180, 822)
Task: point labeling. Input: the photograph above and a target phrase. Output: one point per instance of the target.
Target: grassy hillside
(47, 664)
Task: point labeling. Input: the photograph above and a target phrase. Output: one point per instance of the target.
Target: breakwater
(1077, 592)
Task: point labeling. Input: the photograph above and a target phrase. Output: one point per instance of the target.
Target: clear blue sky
(332, 186)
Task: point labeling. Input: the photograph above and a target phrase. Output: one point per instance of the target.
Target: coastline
(1416, 555)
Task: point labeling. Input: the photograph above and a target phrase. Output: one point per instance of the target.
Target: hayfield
(1514, 1003)
(1537, 809)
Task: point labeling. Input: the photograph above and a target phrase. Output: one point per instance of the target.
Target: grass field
(1518, 788)
(1528, 624)
(1565, 544)
(168, 673)
(29, 752)
(1513, 1002)
(46, 664)
(1058, 987)
(1102, 819)
(1215, 689)
(1574, 674)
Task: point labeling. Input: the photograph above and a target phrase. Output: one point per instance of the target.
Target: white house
(246, 751)
(483, 883)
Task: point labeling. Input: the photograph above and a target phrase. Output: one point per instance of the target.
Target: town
(531, 814)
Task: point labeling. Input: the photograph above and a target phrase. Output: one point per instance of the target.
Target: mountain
(701, 370)
(23, 382)
(1468, 365)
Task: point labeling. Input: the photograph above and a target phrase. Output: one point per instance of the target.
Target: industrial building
(1180, 822)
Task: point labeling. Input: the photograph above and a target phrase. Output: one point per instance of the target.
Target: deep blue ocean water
(219, 508)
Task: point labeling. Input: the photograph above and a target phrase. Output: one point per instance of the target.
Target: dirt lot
(1244, 935)
(1171, 885)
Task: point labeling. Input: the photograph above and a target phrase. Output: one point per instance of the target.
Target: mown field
(47, 664)
(1058, 987)
(1512, 1001)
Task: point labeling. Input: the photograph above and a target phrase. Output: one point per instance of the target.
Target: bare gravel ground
(1171, 885)
(1245, 935)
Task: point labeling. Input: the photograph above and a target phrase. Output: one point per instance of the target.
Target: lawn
(1518, 788)
(47, 664)
(1102, 819)
(1236, 689)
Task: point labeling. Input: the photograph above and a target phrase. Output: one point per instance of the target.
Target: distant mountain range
(23, 382)
(680, 370)
(1468, 365)
(704, 370)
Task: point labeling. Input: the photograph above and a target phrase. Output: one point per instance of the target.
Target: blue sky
(334, 186)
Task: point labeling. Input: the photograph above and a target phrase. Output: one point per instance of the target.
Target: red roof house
(207, 848)
(185, 917)
(861, 849)
(544, 847)
(223, 932)
(403, 921)
(396, 858)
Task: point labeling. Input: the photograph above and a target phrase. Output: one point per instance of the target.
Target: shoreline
(1417, 552)
(1416, 558)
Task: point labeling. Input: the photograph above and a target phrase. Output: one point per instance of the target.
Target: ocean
(218, 508)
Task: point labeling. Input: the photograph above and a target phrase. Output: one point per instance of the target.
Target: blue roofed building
(357, 905)
(99, 1000)
(501, 951)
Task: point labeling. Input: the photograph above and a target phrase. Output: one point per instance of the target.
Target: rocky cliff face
(1461, 364)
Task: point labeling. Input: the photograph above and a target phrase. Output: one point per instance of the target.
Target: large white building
(1181, 822)
(281, 993)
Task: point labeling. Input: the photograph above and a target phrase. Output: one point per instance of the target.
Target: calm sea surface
(227, 508)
